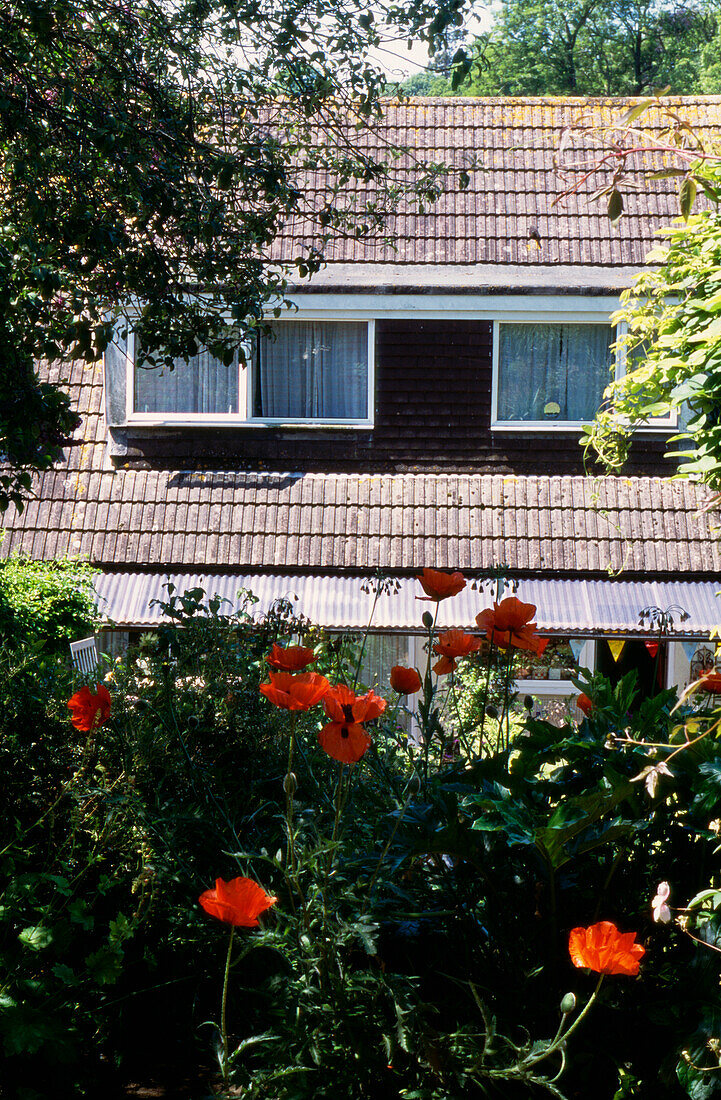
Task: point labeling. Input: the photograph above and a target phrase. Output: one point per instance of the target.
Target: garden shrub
(46, 602)
(418, 946)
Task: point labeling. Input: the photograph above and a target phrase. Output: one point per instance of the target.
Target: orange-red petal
(602, 948)
(341, 704)
(292, 658)
(89, 709)
(406, 681)
(238, 902)
(584, 704)
(439, 586)
(291, 692)
(346, 742)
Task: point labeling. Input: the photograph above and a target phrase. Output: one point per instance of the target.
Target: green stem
(485, 698)
(223, 1028)
(562, 1036)
(365, 635)
(289, 799)
(428, 697)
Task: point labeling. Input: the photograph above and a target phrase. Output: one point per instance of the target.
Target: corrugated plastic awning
(577, 607)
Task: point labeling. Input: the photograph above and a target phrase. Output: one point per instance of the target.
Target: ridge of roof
(552, 100)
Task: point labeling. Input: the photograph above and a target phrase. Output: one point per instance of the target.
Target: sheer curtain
(202, 385)
(552, 372)
(313, 369)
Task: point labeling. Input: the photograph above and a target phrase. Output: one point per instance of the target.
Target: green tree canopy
(150, 153)
(595, 47)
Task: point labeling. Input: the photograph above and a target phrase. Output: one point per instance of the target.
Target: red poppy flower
(584, 704)
(295, 692)
(405, 681)
(439, 586)
(711, 682)
(238, 902)
(344, 738)
(604, 949)
(90, 709)
(508, 623)
(452, 644)
(292, 658)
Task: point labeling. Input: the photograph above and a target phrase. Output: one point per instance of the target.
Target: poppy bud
(568, 1003)
(427, 620)
(528, 703)
(491, 711)
(290, 784)
(193, 722)
(414, 784)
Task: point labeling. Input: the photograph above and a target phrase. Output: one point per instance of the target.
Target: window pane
(552, 372)
(202, 385)
(311, 369)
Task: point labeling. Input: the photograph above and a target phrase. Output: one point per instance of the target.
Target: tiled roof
(210, 520)
(220, 519)
(515, 187)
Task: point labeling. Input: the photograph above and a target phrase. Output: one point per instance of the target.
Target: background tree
(593, 47)
(150, 154)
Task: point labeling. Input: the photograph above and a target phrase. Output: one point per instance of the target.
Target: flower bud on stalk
(427, 620)
(568, 1003)
(290, 783)
(414, 783)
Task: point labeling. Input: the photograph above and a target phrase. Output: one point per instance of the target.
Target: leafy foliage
(150, 155)
(673, 316)
(418, 946)
(46, 603)
(587, 47)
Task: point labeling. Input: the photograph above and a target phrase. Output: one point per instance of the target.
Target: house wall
(433, 382)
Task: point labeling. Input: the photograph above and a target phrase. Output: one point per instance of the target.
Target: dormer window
(305, 372)
(551, 374)
(311, 370)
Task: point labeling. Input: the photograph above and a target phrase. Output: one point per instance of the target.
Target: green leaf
(635, 112)
(686, 197)
(105, 965)
(615, 206)
(36, 938)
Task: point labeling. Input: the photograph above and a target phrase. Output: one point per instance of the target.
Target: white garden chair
(84, 655)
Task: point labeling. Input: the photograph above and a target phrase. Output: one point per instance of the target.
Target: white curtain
(313, 369)
(202, 385)
(553, 372)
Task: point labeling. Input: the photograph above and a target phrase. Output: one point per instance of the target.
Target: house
(422, 407)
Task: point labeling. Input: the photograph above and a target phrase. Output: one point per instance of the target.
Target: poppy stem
(428, 698)
(223, 1028)
(289, 798)
(506, 709)
(491, 652)
(559, 1039)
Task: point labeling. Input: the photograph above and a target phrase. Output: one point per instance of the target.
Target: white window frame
(654, 423)
(586, 659)
(598, 316)
(245, 391)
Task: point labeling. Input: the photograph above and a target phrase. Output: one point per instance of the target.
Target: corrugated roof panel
(579, 607)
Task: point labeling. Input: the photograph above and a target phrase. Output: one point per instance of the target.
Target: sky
(399, 62)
